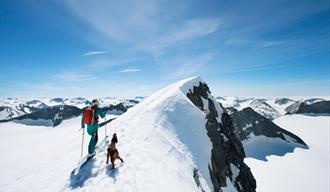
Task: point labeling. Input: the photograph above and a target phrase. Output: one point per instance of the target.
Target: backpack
(88, 116)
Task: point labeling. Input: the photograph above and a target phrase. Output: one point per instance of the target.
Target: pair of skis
(99, 147)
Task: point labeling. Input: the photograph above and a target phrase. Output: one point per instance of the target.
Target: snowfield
(260, 147)
(302, 170)
(162, 140)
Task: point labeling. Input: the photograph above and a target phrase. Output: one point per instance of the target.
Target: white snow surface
(261, 147)
(302, 170)
(161, 141)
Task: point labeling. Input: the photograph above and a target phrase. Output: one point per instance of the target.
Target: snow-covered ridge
(163, 141)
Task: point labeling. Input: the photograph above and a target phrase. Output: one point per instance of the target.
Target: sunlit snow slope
(303, 170)
(162, 140)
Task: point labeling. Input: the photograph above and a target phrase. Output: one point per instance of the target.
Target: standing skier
(91, 118)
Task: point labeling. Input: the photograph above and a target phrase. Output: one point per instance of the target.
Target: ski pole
(105, 131)
(82, 143)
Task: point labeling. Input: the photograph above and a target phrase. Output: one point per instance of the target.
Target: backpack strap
(93, 116)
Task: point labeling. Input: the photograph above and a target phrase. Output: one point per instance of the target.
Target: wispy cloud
(250, 42)
(107, 17)
(74, 76)
(187, 66)
(188, 30)
(90, 53)
(259, 68)
(130, 70)
(141, 26)
(111, 62)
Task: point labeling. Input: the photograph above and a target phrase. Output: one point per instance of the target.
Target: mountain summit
(178, 139)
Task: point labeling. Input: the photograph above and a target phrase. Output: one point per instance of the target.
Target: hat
(95, 102)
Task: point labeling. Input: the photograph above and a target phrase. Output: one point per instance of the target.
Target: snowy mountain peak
(36, 104)
(57, 100)
(283, 101)
(176, 131)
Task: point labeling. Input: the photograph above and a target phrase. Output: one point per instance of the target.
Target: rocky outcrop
(51, 116)
(321, 107)
(231, 110)
(227, 167)
(247, 122)
(309, 106)
(118, 107)
(283, 101)
(261, 137)
(262, 107)
(9, 113)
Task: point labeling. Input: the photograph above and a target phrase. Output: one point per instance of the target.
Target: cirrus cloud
(90, 53)
(130, 70)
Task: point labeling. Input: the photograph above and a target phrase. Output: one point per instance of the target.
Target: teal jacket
(93, 127)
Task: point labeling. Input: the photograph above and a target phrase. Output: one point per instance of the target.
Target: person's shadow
(85, 172)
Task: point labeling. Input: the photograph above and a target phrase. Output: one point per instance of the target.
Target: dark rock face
(291, 109)
(133, 101)
(55, 114)
(9, 110)
(309, 106)
(283, 101)
(321, 107)
(231, 110)
(15, 112)
(261, 137)
(248, 121)
(227, 150)
(197, 179)
(119, 107)
(57, 100)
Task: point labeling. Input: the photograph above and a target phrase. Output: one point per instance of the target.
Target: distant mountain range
(274, 108)
(51, 112)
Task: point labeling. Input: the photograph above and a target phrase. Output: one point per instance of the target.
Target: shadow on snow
(113, 172)
(84, 173)
(78, 180)
(260, 150)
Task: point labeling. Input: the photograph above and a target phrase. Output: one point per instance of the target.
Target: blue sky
(128, 48)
